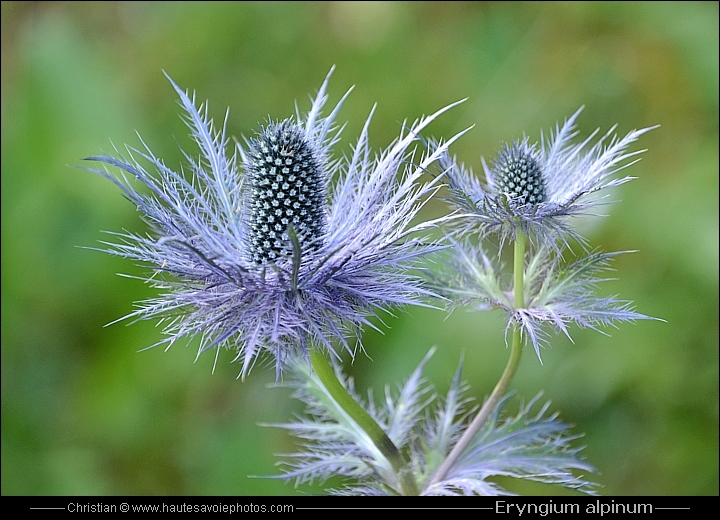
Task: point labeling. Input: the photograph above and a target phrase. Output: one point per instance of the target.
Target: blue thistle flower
(276, 258)
(533, 189)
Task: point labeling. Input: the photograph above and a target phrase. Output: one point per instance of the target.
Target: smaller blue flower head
(534, 189)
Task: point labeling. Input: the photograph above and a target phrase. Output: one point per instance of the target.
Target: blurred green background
(83, 412)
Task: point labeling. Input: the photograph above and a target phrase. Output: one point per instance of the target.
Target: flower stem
(519, 269)
(400, 466)
(512, 365)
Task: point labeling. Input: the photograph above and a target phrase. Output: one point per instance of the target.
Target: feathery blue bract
(530, 445)
(557, 292)
(564, 179)
(231, 280)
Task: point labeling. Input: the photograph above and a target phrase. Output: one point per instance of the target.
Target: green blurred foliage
(83, 412)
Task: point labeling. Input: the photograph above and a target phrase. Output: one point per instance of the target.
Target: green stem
(510, 369)
(324, 370)
(519, 269)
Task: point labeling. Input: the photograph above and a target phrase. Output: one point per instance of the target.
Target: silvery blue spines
(557, 291)
(320, 282)
(534, 188)
(531, 445)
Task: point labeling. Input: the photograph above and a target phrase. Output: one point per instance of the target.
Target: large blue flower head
(534, 188)
(277, 246)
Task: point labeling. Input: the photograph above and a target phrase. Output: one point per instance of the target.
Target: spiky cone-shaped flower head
(519, 175)
(286, 190)
(257, 251)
